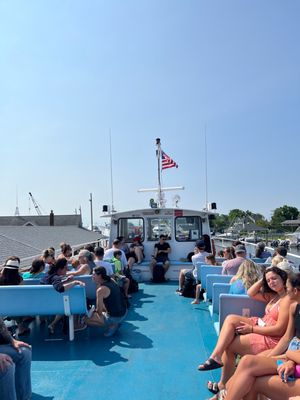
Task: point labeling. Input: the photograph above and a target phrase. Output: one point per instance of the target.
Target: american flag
(167, 161)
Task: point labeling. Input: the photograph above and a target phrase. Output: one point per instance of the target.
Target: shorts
(294, 344)
(109, 320)
(189, 275)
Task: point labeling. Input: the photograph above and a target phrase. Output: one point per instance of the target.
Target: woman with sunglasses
(241, 335)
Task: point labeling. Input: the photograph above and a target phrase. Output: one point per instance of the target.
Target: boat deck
(153, 356)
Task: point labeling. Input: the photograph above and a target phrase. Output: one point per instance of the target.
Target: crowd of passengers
(259, 358)
(108, 270)
(269, 346)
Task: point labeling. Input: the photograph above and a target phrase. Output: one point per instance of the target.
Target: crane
(35, 204)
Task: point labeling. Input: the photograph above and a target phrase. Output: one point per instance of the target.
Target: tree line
(221, 222)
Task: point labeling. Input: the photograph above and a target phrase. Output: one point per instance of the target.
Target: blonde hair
(248, 273)
(276, 260)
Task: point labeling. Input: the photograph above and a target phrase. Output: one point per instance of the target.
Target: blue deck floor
(154, 355)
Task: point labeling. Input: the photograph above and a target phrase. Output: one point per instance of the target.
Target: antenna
(91, 201)
(17, 212)
(111, 175)
(206, 190)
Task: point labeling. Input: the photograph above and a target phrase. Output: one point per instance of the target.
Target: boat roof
(158, 211)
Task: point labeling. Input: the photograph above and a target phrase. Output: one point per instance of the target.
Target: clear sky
(72, 70)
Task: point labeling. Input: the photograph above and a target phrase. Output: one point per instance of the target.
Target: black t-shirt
(162, 256)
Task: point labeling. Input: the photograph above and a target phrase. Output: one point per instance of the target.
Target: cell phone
(290, 378)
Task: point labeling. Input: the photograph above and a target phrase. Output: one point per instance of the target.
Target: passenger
(57, 277)
(15, 363)
(248, 274)
(230, 267)
(241, 335)
(209, 260)
(162, 249)
(261, 252)
(86, 264)
(36, 271)
(197, 258)
(66, 251)
(49, 258)
(99, 253)
(118, 276)
(228, 253)
(261, 374)
(10, 276)
(138, 249)
(90, 247)
(279, 251)
(111, 307)
(109, 253)
(10, 272)
(129, 252)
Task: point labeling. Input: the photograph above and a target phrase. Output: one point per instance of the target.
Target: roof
(27, 242)
(41, 220)
(291, 222)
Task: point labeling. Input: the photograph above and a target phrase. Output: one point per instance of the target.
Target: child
(120, 279)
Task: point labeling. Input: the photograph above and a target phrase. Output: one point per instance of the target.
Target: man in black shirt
(15, 362)
(161, 252)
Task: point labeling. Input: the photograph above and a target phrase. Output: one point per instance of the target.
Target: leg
(152, 265)
(250, 367)
(126, 286)
(182, 277)
(198, 291)
(274, 388)
(95, 320)
(130, 262)
(7, 382)
(51, 326)
(139, 253)
(22, 361)
(166, 265)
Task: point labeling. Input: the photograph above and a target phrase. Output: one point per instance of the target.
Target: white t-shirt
(198, 259)
(109, 253)
(106, 265)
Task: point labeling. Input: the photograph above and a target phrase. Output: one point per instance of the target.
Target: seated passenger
(36, 271)
(230, 267)
(109, 253)
(57, 277)
(248, 274)
(111, 308)
(161, 254)
(138, 249)
(261, 252)
(99, 253)
(86, 264)
(15, 363)
(197, 258)
(241, 335)
(118, 276)
(48, 257)
(262, 374)
(209, 260)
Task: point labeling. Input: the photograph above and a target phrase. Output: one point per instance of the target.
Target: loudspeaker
(104, 208)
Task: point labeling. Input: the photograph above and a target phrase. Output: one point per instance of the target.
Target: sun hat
(12, 264)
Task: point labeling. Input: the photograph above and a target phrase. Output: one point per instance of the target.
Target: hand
(286, 369)
(5, 361)
(82, 284)
(17, 344)
(244, 328)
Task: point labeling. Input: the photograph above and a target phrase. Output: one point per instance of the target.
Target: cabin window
(130, 228)
(159, 226)
(188, 229)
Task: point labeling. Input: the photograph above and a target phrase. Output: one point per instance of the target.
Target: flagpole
(158, 155)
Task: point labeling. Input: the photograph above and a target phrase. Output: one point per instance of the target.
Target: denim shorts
(294, 344)
(109, 320)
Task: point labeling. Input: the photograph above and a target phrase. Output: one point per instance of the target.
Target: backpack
(133, 284)
(189, 287)
(158, 274)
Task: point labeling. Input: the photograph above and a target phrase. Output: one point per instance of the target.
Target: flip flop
(209, 365)
(213, 387)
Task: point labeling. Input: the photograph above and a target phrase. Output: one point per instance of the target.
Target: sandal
(213, 387)
(209, 365)
(222, 394)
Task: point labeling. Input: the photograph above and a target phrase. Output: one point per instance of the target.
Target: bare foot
(195, 302)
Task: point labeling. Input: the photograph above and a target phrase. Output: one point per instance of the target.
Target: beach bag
(158, 274)
(133, 284)
(189, 287)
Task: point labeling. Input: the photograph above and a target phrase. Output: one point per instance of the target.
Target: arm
(282, 345)
(102, 293)
(155, 251)
(255, 292)
(83, 270)
(70, 285)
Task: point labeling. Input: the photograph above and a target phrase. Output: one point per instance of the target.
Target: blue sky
(72, 70)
